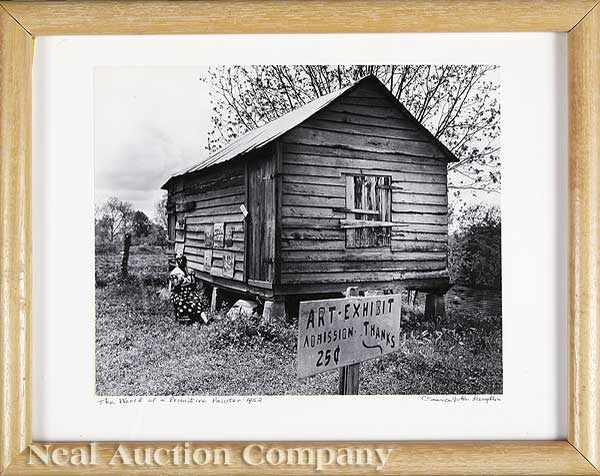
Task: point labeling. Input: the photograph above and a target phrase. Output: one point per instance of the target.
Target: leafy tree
(475, 249)
(141, 224)
(158, 235)
(458, 104)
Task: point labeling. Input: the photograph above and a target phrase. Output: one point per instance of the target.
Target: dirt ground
(142, 350)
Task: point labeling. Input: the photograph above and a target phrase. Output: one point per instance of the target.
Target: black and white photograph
(298, 230)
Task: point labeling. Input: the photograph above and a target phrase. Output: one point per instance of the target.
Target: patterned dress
(185, 299)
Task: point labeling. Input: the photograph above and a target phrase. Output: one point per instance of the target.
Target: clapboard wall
(362, 132)
(201, 200)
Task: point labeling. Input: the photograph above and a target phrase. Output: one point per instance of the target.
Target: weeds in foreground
(251, 331)
(142, 350)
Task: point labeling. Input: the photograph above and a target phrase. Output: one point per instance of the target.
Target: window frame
(357, 219)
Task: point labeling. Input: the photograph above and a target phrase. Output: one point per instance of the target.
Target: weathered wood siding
(361, 133)
(207, 198)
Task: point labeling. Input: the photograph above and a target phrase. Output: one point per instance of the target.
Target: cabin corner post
(245, 223)
(277, 203)
(584, 236)
(275, 306)
(16, 58)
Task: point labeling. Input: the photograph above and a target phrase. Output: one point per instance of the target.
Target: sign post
(349, 380)
(341, 333)
(350, 374)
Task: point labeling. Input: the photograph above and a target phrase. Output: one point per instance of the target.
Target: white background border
(533, 237)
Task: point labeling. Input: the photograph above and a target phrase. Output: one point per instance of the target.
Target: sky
(148, 124)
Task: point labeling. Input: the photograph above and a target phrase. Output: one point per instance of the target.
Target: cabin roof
(267, 133)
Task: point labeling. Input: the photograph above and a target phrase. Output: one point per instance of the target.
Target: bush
(147, 249)
(250, 331)
(474, 257)
(106, 248)
(157, 236)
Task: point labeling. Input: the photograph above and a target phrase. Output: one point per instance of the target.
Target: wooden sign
(207, 260)
(228, 264)
(229, 235)
(219, 235)
(208, 236)
(180, 231)
(334, 333)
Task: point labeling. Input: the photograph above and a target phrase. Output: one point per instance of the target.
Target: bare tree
(117, 217)
(458, 104)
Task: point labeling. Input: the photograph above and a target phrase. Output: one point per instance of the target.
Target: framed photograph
(219, 235)
(371, 248)
(228, 240)
(208, 236)
(228, 264)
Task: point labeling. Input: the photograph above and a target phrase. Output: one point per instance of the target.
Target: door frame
(268, 155)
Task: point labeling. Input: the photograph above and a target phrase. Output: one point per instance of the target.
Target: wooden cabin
(348, 190)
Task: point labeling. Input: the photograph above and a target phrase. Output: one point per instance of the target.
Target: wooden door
(261, 221)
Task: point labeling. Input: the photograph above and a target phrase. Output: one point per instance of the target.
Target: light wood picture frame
(22, 21)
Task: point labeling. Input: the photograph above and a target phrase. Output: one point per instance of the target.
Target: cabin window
(368, 211)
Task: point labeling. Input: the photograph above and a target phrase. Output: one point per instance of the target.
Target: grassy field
(142, 350)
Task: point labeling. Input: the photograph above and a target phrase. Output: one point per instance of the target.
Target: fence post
(125, 260)
(350, 374)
